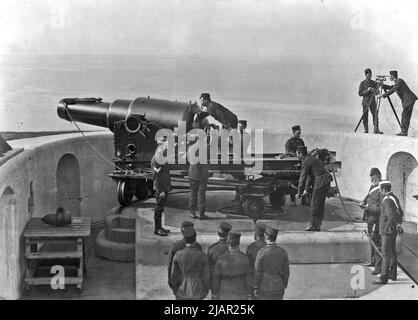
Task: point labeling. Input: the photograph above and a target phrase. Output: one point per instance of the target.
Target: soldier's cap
(189, 232)
(272, 231)
(296, 127)
(385, 183)
(186, 224)
(367, 71)
(225, 227)
(234, 237)
(205, 96)
(243, 122)
(375, 172)
(260, 228)
(394, 73)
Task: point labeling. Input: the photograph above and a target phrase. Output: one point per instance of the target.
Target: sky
(323, 29)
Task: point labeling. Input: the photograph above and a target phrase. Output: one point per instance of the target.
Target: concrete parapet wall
(29, 188)
(360, 152)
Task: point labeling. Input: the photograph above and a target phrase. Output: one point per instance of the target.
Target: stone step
(125, 235)
(127, 223)
(116, 251)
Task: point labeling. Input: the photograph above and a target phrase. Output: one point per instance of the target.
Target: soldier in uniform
(295, 141)
(407, 97)
(259, 243)
(291, 147)
(198, 178)
(371, 206)
(391, 216)
(210, 108)
(232, 275)
(190, 272)
(177, 246)
(366, 89)
(321, 179)
(219, 248)
(245, 137)
(162, 186)
(271, 270)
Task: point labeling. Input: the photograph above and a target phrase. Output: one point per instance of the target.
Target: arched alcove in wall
(7, 215)
(399, 168)
(68, 184)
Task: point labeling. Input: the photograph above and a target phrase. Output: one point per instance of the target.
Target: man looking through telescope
(407, 97)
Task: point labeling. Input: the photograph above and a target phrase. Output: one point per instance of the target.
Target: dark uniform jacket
(253, 249)
(177, 246)
(391, 214)
(401, 88)
(198, 172)
(365, 93)
(271, 271)
(215, 251)
(373, 199)
(221, 114)
(190, 274)
(292, 144)
(316, 170)
(232, 276)
(161, 176)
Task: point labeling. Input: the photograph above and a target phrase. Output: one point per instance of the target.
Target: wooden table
(38, 234)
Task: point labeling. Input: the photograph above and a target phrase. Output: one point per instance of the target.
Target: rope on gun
(90, 144)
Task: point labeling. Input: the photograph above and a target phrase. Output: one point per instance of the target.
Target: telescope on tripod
(376, 92)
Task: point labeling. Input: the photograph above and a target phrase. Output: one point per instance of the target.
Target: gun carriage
(135, 123)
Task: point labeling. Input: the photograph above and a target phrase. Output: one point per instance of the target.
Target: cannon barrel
(104, 114)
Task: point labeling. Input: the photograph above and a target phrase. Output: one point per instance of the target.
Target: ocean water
(269, 94)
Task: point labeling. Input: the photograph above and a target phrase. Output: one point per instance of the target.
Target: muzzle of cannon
(104, 114)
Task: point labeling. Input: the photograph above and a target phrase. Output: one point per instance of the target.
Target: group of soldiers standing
(261, 273)
(383, 215)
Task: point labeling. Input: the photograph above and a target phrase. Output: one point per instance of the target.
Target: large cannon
(105, 114)
(135, 123)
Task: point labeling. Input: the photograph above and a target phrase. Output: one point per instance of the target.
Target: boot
(161, 232)
(377, 131)
(312, 226)
(379, 281)
(376, 271)
(366, 128)
(402, 134)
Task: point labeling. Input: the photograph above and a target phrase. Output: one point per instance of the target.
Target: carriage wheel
(277, 199)
(124, 193)
(254, 207)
